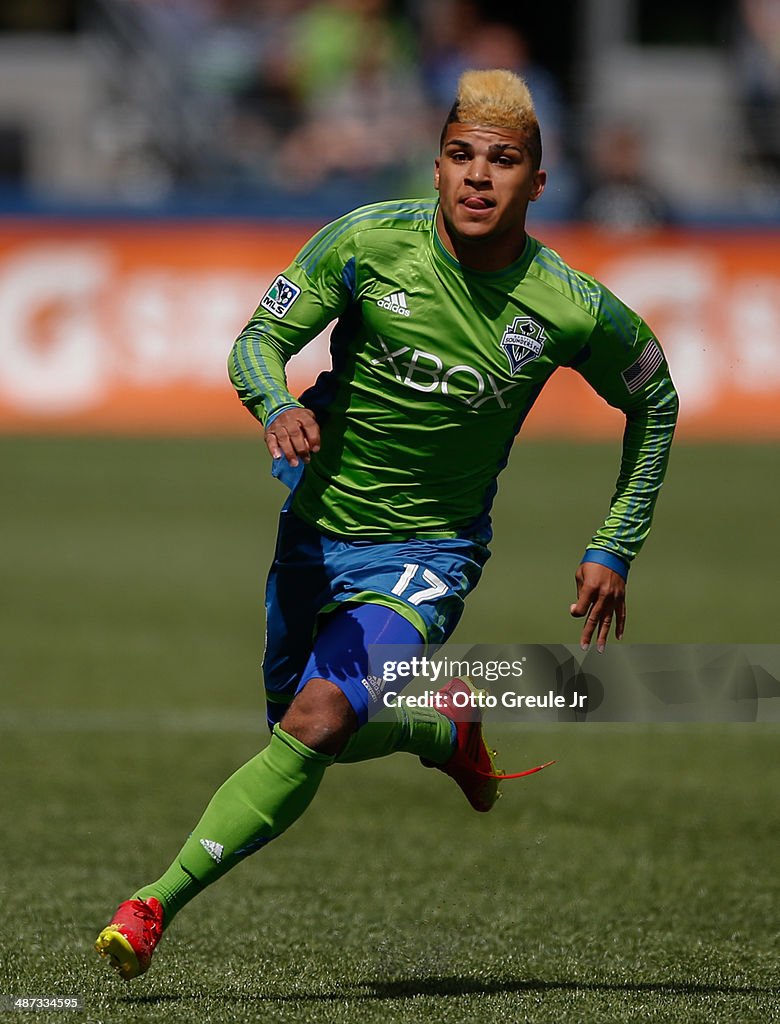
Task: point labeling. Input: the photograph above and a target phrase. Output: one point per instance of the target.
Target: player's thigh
(350, 650)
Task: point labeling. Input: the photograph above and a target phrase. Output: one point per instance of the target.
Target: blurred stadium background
(161, 159)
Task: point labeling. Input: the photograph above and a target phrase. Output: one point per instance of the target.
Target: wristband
(608, 559)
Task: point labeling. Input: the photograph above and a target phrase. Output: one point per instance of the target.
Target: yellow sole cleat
(129, 940)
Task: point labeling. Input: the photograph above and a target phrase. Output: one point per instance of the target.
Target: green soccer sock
(256, 804)
(421, 731)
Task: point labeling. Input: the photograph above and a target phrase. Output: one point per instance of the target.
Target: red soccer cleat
(131, 936)
(471, 764)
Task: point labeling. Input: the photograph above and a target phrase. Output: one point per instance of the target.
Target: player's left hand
(601, 596)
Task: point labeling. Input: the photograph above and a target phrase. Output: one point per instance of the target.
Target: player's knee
(321, 717)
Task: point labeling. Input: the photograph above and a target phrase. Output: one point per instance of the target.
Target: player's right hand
(295, 434)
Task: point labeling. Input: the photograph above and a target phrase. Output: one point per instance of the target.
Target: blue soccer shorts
(424, 582)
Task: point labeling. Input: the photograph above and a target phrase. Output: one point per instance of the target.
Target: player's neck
(487, 255)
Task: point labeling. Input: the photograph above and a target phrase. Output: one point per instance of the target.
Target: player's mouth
(477, 204)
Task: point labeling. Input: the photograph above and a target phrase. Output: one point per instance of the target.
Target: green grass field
(634, 881)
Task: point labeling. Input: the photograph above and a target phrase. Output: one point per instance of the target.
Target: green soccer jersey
(434, 369)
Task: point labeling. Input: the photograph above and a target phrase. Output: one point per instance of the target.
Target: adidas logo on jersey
(214, 850)
(395, 303)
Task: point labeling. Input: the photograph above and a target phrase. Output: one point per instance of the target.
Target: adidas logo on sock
(214, 850)
(396, 303)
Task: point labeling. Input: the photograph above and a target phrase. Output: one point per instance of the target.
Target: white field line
(207, 720)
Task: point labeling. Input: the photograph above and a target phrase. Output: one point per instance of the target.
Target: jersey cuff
(607, 558)
(280, 410)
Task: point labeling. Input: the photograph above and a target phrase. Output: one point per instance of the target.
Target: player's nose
(478, 171)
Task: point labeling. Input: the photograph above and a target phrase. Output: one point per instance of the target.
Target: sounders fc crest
(522, 342)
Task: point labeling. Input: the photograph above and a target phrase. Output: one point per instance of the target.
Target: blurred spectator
(447, 28)
(364, 118)
(245, 65)
(758, 76)
(619, 197)
(330, 39)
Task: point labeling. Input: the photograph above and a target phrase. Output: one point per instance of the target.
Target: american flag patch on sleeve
(640, 372)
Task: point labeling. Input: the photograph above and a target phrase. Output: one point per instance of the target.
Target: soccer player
(450, 319)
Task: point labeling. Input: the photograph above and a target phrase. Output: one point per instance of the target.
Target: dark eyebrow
(498, 147)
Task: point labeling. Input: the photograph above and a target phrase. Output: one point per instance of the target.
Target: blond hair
(500, 99)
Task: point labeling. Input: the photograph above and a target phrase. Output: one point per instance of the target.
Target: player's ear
(436, 164)
(540, 180)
